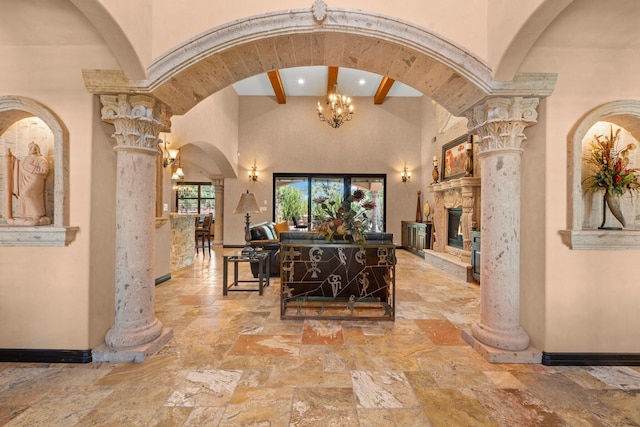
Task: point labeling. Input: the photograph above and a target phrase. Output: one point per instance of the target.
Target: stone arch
(14, 108)
(215, 59)
(624, 113)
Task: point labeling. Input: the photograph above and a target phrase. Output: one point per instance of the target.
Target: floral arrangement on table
(346, 219)
(609, 165)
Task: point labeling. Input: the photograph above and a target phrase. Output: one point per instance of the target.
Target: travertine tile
(258, 406)
(323, 406)
(205, 388)
(233, 362)
(517, 407)
(389, 389)
(449, 407)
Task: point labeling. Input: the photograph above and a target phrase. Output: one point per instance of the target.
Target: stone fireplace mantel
(456, 193)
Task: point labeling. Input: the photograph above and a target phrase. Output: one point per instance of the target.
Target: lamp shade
(247, 204)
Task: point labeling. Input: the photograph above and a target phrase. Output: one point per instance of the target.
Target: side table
(260, 258)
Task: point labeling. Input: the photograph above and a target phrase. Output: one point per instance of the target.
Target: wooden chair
(203, 233)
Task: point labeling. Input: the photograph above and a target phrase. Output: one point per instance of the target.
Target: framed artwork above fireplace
(454, 155)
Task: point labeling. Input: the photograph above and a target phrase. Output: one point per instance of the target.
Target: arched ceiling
(205, 158)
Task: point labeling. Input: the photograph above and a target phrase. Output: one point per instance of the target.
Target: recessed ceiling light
(362, 82)
(300, 81)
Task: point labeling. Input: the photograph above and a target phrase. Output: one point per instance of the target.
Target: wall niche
(585, 209)
(22, 121)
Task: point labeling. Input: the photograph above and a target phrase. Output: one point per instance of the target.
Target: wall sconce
(168, 155)
(178, 174)
(253, 173)
(405, 175)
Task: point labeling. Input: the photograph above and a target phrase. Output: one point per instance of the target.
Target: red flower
(337, 222)
(618, 165)
(617, 179)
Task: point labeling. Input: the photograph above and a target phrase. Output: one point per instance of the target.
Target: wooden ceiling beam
(332, 79)
(383, 90)
(276, 83)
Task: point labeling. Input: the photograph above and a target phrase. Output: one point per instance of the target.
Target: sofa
(265, 235)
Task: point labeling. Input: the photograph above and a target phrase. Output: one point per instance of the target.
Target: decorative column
(218, 185)
(500, 123)
(468, 203)
(137, 119)
(438, 222)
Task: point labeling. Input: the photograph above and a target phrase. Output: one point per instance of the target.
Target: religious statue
(26, 180)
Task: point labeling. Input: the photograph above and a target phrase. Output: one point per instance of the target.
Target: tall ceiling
(312, 81)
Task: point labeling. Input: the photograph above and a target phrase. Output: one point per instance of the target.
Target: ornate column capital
(500, 122)
(138, 119)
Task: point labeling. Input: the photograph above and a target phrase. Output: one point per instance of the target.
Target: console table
(322, 280)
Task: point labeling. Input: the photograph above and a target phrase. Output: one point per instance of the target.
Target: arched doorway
(447, 73)
(450, 75)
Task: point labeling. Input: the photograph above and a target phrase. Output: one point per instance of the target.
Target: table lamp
(247, 205)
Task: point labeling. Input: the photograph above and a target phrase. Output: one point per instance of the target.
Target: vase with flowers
(344, 220)
(611, 173)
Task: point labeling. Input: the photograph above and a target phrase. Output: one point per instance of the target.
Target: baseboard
(590, 359)
(163, 279)
(45, 356)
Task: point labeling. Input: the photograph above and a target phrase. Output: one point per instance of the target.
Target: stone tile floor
(233, 362)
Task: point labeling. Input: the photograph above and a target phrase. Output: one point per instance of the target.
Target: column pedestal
(496, 355)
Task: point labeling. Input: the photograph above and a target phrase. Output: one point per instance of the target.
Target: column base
(514, 339)
(529, 355)
(119, 337)
(132, 354)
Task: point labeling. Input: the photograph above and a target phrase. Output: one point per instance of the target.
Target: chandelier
(340, 109)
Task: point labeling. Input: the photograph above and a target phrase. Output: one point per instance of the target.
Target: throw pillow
(280, 227)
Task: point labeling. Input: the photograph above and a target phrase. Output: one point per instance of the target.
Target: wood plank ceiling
(332, 80)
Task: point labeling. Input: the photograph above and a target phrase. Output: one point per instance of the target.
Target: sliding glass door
(294, 195)
(331, 188)
(291, 199)
(373, 188)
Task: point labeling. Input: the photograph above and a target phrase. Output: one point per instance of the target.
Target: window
(196, 197)
(294, 195)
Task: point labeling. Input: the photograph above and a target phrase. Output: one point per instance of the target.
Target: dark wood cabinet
(416, 236)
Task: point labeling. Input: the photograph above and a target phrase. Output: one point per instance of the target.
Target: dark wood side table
(261, 258)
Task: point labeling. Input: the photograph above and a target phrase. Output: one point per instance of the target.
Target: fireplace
(456, 213)
(454, 227)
